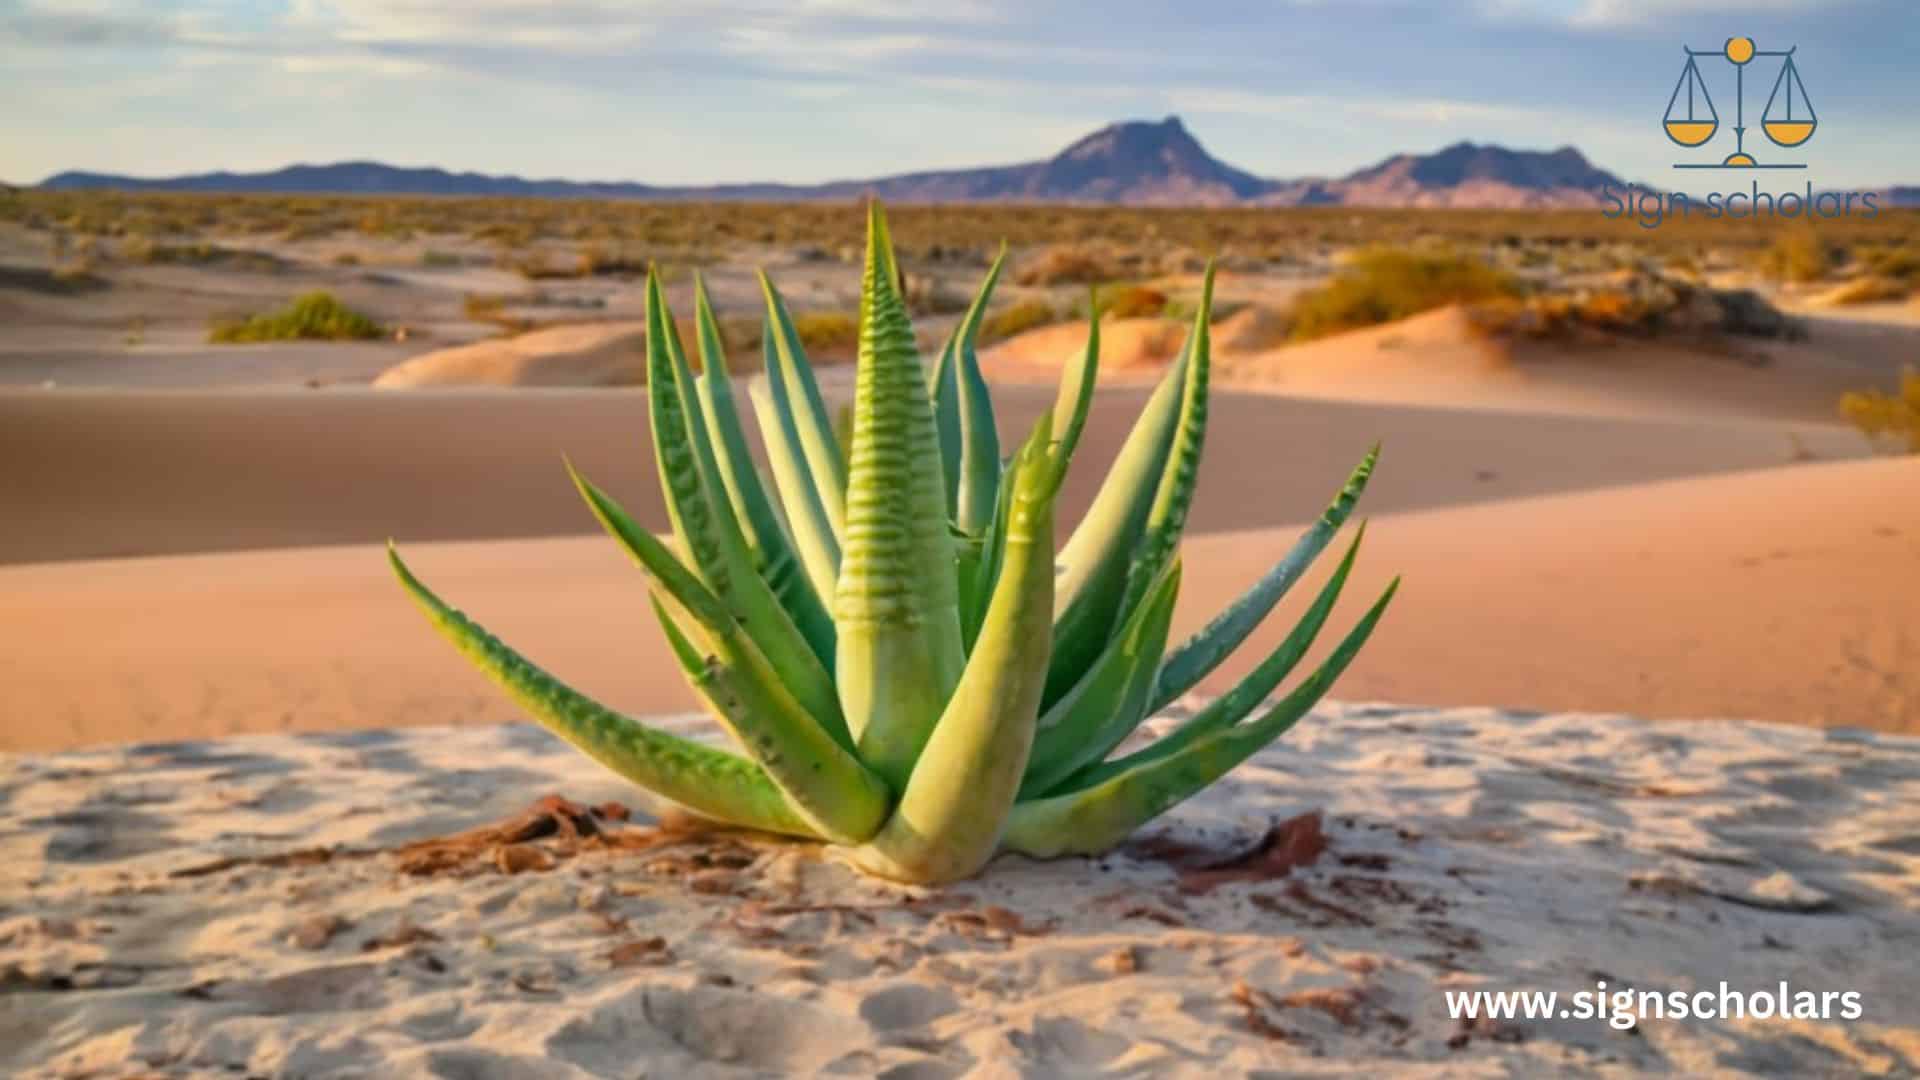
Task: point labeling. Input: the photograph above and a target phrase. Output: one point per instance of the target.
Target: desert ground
(1647, 701)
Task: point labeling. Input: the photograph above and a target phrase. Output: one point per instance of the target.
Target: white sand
(1468, 849)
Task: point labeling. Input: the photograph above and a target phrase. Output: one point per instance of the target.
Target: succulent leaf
(1181, 473)
(702, 519)
(1093, 819)
(1229, 708)
(1196, 657)
(1075, 398)
(1096, 559)
(813, 531)
(900, 649)
(978, 479)
(813, 429)
(708, 781)
(1105, 706)
(767, 543)
(950, 815)
(810, 762)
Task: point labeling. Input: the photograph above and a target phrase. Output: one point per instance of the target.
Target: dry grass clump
(831, 332)
(1891, 419)
(1801, 256)
(1383, 284)
(316, 316)
(1068, 265)
(1899, 263)
(491, 308)
(1131, 302)
(140, 248)
(1017, 318)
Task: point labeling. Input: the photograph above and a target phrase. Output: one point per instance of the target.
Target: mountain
(1464, 174)
(1145, 163)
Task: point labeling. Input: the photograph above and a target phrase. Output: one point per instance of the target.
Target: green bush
(316, 316)
(1888, 417)
(1382, 285)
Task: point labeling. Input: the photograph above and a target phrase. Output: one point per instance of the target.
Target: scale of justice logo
(1788, 119)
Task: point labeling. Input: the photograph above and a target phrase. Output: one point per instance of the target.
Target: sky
(811, 90)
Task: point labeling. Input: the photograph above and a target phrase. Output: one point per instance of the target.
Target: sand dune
(582, 354)
(124, 473)
(1784, 594)
(262, 906)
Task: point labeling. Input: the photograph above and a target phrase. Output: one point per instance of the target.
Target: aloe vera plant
(906, 666)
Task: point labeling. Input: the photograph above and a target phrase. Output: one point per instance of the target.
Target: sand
(1778, 594)
(142, 473)
(249, 906)
(219, 882)
(609, 353)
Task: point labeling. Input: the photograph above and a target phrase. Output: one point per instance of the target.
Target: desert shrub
(1899, 264)
(1017, 319)
(1891, 419)
(1800, 255)
(316, 316)
(491, 308)
(1132, 302)
(439, 260)
(346, 258)
(540, 267)
(827, 331)
(1381, 285)
(605, 262)
(1063, 265)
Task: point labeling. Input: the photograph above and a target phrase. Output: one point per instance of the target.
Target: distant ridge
(1137, 163)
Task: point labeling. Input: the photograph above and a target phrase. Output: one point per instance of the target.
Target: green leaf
(1075, 398)
(770, 551)
(951, 812)
(897, 607)
(1105, 706)
(1229, 708)
(822, 780)
(703, 521)
(1093, 819)
(813, 532)
(978, 479)
(1095, 561)
(1196, 657)
(708, 781)
(1181, 474)
(787, 366)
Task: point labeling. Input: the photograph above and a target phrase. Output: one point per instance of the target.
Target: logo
(1693, 121)
(1787, 120)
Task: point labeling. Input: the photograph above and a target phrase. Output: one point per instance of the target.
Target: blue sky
(808, 90)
